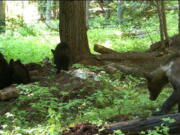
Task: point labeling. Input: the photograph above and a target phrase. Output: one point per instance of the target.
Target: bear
(19, 72)
(5, 73)
(156, 80)
(61, 58)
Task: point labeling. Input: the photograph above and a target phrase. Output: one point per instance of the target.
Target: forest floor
(82, 87)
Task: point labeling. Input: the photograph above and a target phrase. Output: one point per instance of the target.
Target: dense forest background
(129, 25)
(124, 37)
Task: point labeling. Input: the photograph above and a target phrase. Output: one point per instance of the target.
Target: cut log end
(9, 93)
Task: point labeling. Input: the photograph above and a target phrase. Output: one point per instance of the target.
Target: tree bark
(42, 10)
(134, 127)
(160, 23)
(87, 14)
(2, 16)
(73, 29)
(120, 11)
(107, 11)
(108, 54)
(103, 50)
(179, 16)
(48, 10)
(164, 23)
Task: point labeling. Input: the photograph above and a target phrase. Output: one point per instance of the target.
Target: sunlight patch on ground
(107, 44)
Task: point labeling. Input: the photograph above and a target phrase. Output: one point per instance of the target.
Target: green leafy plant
(162, 129)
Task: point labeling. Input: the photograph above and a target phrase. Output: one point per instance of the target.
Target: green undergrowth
(40, 110)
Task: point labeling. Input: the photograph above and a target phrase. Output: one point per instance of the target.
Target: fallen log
(134, 127)
(108, 54)
(9, 93)
(103, 50)
(127, 56)
(114, 67)
(174, 41)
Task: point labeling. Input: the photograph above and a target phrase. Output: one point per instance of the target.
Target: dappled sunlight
(25, 9)
(107, 44)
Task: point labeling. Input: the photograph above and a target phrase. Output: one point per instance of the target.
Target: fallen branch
(108, 54)
(114, 67)
(103, 50)
(127, 56)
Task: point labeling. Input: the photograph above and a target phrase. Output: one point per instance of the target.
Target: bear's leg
(168, 104)
(179, 106)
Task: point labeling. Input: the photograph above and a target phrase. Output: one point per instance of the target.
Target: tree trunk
(87, 14)
(107, 11)
(2, 16)
(55, 9)
(120, 11)
(164, 23)
(160, 23)
(179, 16)
(42, 10)
(73, 29)
(101, 4)
(48, 10)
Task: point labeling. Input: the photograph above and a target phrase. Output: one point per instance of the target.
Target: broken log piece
(134, 127)
(103, 50)
(128, 56)
(114, 67)
(9, 93)
(174, 41)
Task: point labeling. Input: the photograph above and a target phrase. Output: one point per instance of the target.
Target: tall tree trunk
(48, 10)
(55, 9)
(120, 11)
(42, 10)
(164, 22)
(107, 11)
(158, 5)
(179, 16)
(2, 16)
(87, 13)
(73, 29)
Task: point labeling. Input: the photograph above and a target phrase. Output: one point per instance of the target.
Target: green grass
(28, 49)
(113, 38)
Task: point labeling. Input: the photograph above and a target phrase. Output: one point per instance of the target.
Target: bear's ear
(148, 76)
(11, 61)
(52, 51)
(18, 61)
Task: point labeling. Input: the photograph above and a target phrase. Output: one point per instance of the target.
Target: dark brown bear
(5, 73)
(61, 58)
(19, 72)
(159, 78)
